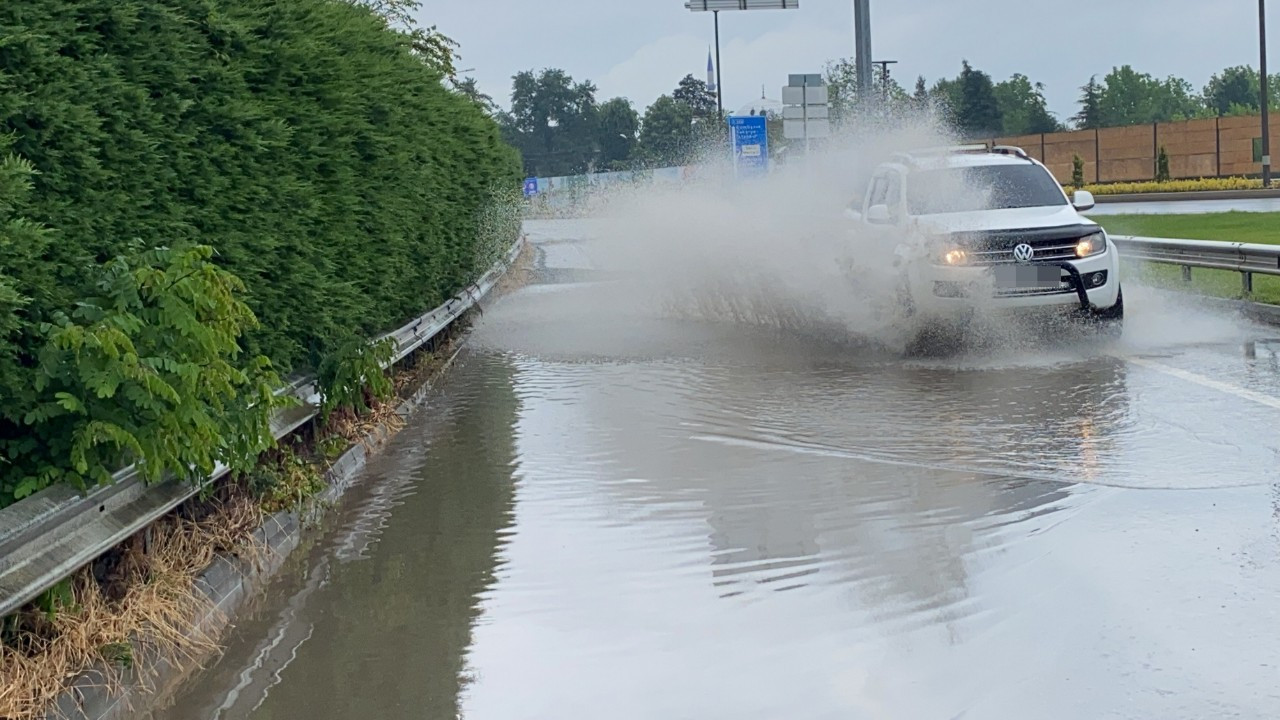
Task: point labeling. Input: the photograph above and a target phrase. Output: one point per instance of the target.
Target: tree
(946, 93)
(1090, 115)
(707, 123)
(666, 133)
(1176, 99)
(1129, 97)
(471, 90)
(694, 93)
(979, 111)
(397, 13)
(841, 77)
(618, 126)
(553, 122)
(1023, 107)
(1239, 85)
(920, 98)
(436, 49)
(1237, 91)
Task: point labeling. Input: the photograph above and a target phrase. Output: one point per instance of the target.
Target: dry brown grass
(357, 429)
(133, 608)
(520, 273)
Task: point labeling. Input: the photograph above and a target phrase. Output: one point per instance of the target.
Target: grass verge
(141, 595)
(1245, 227)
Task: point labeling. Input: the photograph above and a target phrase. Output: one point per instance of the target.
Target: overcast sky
(641, 48)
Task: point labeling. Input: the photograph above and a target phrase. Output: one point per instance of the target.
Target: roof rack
(908, 158)
(942, 150)
(1010, 150)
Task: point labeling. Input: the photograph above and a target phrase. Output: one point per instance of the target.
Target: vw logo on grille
(1023, 252)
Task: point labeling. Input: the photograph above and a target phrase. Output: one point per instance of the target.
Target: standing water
(634, 516)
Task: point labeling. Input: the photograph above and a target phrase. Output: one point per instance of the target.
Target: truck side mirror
(1082, 200)
(879, 214)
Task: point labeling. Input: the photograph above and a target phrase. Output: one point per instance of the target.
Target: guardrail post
(1246, 283)
(1186, 273)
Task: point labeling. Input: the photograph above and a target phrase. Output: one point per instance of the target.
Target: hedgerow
(1166, 186)
(196, 195)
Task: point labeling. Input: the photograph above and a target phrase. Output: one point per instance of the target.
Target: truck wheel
(1111, 320)
(937, 339)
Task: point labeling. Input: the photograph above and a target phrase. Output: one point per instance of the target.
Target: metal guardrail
(1247, 259)
(57, 531)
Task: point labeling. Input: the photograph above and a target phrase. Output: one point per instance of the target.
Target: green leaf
(69, 402)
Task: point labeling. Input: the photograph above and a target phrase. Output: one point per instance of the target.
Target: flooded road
(622, 515)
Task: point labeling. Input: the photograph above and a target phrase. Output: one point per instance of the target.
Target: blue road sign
(530, 187)
(750, 144)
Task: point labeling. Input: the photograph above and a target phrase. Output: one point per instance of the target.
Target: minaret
(711, 73)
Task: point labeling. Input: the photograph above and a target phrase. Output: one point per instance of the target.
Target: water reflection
(867, 474)
(380, 614)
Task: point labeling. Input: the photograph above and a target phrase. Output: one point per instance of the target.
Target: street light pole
(862, 45)
(884, 77)
(1266, 101)
(719, 82)
(715, 6)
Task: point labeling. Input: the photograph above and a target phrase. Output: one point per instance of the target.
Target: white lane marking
(1208, 382)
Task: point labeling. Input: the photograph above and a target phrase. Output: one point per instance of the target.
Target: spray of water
(775, 251)
(778, 251)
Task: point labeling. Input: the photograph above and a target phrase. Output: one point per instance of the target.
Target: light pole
(715, 6)
(719, 82)
(884, 76)
(1266, 101)
(862, 45)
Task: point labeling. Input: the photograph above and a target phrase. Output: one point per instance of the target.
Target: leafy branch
(145, 372)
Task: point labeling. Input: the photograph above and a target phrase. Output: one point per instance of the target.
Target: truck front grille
(1049, 245)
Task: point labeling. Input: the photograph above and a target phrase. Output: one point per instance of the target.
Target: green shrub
(1077, 171)
(296, 147)
(146, 371)
(1162, 166)
(306, 143)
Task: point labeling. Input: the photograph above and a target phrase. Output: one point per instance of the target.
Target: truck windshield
(985, 187)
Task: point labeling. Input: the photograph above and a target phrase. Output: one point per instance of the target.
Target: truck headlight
(1095, 244)
(955, 256)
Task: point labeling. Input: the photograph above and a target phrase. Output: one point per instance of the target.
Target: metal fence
(50, 535)
(1248, 259)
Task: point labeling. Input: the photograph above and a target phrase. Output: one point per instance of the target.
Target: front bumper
(955, 291)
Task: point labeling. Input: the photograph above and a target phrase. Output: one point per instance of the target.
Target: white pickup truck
(989, 229)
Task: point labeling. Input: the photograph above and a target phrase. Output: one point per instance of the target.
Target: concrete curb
(229, 583)
(1194, 195)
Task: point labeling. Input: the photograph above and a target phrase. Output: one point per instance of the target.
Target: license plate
(1028, 277)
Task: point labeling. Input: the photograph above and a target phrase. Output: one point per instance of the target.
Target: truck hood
(1012, 219)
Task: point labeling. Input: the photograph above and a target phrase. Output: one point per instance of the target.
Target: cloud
(642, 50)
(748, 62)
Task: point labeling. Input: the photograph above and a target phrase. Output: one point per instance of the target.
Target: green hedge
(325, 165)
